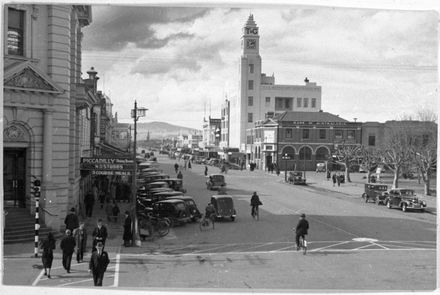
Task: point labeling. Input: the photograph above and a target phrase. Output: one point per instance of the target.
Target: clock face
(251, 44)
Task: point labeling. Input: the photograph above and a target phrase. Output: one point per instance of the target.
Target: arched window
(305, 153)
(290, 151)
(322, 154)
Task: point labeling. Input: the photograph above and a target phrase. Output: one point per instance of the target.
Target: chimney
(93, 78)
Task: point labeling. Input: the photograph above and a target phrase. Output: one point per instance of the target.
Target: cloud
(115, 27)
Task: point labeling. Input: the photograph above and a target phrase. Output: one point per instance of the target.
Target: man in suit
(68, 247)
(99, 234)
(71, 221)
(98, 264)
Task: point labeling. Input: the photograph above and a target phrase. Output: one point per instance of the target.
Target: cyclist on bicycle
(255, 202)
(301, 229)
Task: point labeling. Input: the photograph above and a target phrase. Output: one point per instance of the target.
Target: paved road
(352, 245)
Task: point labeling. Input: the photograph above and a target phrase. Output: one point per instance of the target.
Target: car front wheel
(388, 204)
(404, 207)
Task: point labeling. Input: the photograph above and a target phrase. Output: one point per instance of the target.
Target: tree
(346, 155)
(396, 152)
(369, 159)
(424, 151)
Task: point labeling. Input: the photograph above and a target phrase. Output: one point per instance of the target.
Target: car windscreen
(180, 206)
(218, 178)
(224, 202)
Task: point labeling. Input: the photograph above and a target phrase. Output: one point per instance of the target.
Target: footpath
(20, 267)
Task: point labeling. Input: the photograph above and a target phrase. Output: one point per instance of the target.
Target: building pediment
(27, 77)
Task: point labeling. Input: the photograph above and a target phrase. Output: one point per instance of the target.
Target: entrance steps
(19, 226)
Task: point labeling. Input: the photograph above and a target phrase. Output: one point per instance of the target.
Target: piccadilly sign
(110, 165)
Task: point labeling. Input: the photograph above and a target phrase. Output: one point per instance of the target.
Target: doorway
(14, 181)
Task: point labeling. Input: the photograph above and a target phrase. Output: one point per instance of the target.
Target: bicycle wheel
(257, 214)
(162, 228)
(204, 224)
(304, 245)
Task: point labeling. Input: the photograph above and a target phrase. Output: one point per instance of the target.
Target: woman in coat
(48, 245)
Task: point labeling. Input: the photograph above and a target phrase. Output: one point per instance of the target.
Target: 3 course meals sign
(107, 166)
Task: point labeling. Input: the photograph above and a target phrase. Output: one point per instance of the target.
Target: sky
(182, 62)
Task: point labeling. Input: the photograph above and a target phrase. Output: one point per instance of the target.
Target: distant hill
(159, 130)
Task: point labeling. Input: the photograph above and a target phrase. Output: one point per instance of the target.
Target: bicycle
(207, 222)
(255, 213)
(154, 224)
(302, 244)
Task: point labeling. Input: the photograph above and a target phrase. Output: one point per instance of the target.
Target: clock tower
(250, 79)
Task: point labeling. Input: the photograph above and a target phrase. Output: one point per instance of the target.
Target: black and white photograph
(229, 147)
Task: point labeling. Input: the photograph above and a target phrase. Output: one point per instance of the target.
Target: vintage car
(191, 204)
(215, 181)
(175, 183)
(175, 210)
(404, 199)
(375, 192)
(156, 177)
(157, 184)
(320, 167)
(296, 177)
(224, 207)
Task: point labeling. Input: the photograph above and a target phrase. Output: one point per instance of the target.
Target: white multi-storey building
(259, 96)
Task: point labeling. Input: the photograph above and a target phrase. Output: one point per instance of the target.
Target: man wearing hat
(99, 234)
(98, 264)
(68, 247)
(301, 229)
(71, 221)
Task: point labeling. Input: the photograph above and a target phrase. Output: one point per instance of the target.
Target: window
(305, 153)
(15, 32)
(289, 133)
(371, 140)
(322, 134)
(278, 103)
(251, 84)
(250, 118)
(298, 102)
(267, 101)
(338, 134)
(306, 102)
(313, 102)
(251, 68)
(250, 101)
(305, 134)
(287, 103)
(249, 139)
(350, 134)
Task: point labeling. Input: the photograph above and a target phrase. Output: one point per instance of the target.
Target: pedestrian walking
(71, 221)
(99, 234)
(206, 170)
(176, 167)
(179, 175)
(115, 211)
(334, 178)
(80, 235)
(102, 198)
(68, 247)
(89, 201)
(328, 175)
(127, 236)
(95, 191)
(108, 209)
(47, 245)
(98, 264)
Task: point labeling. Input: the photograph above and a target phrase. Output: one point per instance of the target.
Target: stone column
(47, 147)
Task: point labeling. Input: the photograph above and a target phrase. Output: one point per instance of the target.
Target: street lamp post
(136, 113)
(285, 157)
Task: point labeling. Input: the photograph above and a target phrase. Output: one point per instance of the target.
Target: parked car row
(402, 198)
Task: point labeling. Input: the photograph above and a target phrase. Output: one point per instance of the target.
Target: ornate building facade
(42, 103)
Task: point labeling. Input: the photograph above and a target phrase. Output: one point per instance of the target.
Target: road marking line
(210, 249)
(380, 245)
(116, 280)
(281, 249)
(329, 246)
(258, 246)
(38, 278)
